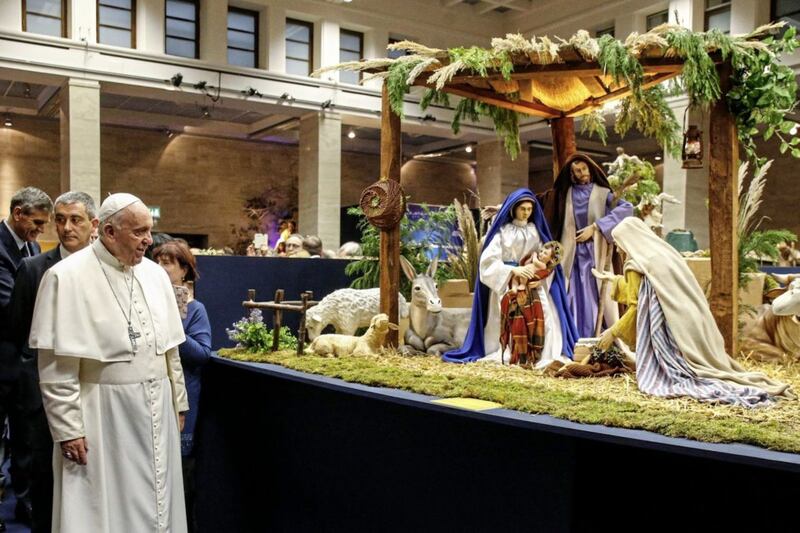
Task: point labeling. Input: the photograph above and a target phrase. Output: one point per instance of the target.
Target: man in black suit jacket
(29, 213)
(75, 217)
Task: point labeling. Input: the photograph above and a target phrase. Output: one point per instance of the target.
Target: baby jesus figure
(522, 317)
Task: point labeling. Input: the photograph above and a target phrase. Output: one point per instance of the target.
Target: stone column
(214, 32)
(11, 16)
(319, 183)
(82, 23)
(747, 15)
(150, 25)
(275, 38)
(80, 137)
(688, 186)
(497, 173)
(328, 47)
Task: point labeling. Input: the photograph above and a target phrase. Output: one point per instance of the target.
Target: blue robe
(473, 348)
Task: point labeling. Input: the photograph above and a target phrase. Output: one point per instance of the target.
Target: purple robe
(582, 294)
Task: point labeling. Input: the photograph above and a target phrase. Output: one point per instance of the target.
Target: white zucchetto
(115, 203)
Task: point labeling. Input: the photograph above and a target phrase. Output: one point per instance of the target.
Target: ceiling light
(468, 149)
(7, 122)
(351, 134)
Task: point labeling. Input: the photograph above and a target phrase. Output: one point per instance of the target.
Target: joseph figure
(581, 210)
(107, 328)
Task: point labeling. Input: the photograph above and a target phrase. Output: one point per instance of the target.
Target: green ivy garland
(762, 90)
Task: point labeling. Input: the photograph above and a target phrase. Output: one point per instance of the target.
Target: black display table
(281, 450)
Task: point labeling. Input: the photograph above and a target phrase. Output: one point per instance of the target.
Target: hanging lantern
(692, 145)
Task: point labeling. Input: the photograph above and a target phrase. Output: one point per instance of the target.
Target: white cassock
(125, 404)
(511, 243)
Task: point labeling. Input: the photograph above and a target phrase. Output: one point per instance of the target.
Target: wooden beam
(563, 132)
(491, 97)
(391, 144)
(723, 211)
(591, 103)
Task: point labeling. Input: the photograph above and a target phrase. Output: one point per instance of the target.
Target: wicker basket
(383, 203)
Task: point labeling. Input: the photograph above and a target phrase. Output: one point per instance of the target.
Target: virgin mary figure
(518, 230)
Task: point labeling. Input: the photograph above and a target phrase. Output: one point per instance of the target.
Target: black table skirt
(280, 450)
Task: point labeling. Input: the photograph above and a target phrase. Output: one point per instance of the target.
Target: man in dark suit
(75, 217)
(29, 213)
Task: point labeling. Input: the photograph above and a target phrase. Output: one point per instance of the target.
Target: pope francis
(107, 328)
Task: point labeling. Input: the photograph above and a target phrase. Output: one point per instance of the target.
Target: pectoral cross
(133, 335)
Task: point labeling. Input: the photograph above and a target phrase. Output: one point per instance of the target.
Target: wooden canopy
(559, 82)
(570, 88)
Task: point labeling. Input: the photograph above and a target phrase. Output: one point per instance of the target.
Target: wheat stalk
(751, 201)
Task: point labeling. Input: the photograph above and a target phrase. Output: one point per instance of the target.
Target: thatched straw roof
(540, 76)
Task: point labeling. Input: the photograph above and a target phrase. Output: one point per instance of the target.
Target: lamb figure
(371, 343)
(347, 310)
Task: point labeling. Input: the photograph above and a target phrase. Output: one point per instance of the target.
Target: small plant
(253, 335)
(464, 263)
(754, 243)
(435, 225)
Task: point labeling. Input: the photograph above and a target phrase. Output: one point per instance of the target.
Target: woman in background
(176, 258)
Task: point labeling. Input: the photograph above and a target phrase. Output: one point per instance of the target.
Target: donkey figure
(432, 329)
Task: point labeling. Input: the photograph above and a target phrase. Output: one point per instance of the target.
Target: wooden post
(563, 132)
(723, 212)
(251, 295)
(277, 318)
(301, 331)
(391, 145)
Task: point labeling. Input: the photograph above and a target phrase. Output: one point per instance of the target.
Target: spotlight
(176, 80)
(326, 104)
(468, 149)
(169, 133)
(351, 134)
(251, 92)
(7, 122)
(286, 96)
(206, 112)
(428, 117)
(27, 91)
(200, 85)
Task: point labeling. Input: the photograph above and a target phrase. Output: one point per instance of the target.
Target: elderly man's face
(129, 242)
(293, 245)
(580, 173)
(73, 225)
(28, 226)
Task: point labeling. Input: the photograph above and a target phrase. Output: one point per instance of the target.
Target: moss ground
(609, 401)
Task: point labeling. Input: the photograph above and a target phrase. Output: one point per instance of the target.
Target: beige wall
(201, 183)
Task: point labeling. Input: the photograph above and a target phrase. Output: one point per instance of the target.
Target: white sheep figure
(347, 310)
(370, 343)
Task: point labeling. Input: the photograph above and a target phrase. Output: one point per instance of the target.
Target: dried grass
(609, 401)
(562, 93)
(418, 49)
(585, 44)
(443, 76)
